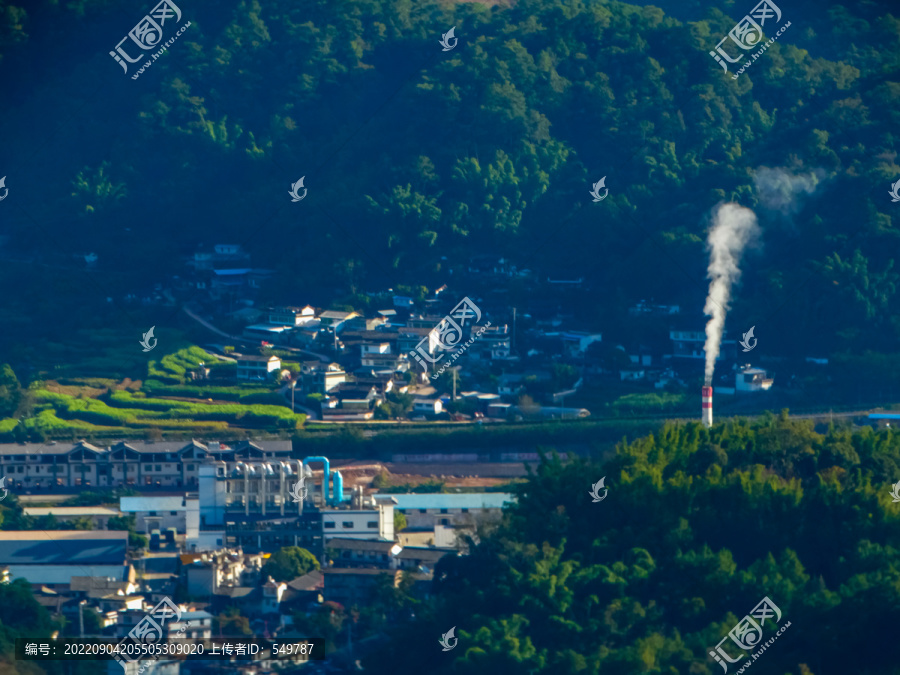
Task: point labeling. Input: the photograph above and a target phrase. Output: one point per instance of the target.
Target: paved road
(244, 343)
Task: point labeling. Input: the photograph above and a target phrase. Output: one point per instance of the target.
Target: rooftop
(360, 544)
(70, 511)
(63, 547)
(470, 500)
(136, 504)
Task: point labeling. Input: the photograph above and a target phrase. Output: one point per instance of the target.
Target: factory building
(264, 505)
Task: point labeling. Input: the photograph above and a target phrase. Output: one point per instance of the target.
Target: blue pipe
(325, 485)
(338, 487)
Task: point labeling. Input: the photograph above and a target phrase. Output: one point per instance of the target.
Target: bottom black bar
(204, 649)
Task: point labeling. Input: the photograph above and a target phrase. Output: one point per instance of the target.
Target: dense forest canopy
(698, 527)
(416, 159)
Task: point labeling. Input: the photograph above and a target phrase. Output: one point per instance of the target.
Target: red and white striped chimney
(706, 406)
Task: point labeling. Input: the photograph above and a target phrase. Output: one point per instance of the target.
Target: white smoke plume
(780, 190)
(734, 227)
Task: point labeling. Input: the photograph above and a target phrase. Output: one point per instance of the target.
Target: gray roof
(423, 554)
(308, 582)
(140, 504)
(141, 447)
(63, 547)
(341, 543)
(97, 584)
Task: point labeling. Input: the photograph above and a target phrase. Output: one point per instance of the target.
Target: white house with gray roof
(424, 511)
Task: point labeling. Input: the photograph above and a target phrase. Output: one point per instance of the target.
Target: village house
(257, 368)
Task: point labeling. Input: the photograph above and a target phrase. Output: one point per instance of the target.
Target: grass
(97, 405)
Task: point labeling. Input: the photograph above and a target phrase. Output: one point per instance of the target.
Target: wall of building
(62, 574)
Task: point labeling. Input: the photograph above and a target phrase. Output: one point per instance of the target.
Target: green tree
(10, 391)
(289, 563)
(232, 624)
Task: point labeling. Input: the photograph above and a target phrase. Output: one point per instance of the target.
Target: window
(347, 524)
(444, 511)
(153, 513)
(345, 554)
(20, 469)
(445, 521)
(190, 467)
(423, 511)
(372, 524)
(173, 513)
(148, 467)
(329, 525)
(464, 510)
(158, 467)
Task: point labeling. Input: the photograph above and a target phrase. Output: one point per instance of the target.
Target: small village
(541, 360)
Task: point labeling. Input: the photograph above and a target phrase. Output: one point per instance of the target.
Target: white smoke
(780, 190)
(733, 228)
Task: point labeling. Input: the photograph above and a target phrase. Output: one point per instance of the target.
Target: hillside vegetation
(698, 526)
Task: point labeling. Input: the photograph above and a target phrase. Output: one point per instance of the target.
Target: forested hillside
(416, 159)
(697, 528)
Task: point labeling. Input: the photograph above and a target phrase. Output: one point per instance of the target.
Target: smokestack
(706, 406)
(733, 228)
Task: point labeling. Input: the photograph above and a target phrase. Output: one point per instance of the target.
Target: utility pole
(453, 370)
(81, 618)
(293, 386)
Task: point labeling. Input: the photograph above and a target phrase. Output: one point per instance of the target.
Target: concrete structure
(690, 344)
(253, 504)
(424, 511)
(291, 316)
(252, 488)
(54, 557)
(355, 553)
(706, 411)
(99, 515)
(165, 464)
(428, 406)
(257, 368)
(377, 523)
(161, 513)
(206, 574)
(752, 379)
